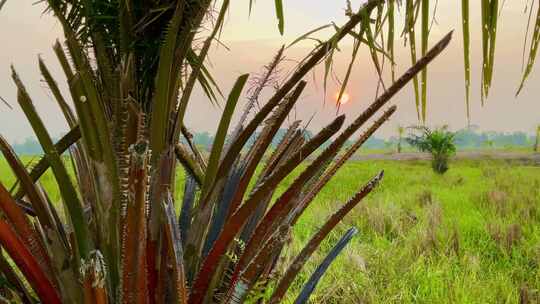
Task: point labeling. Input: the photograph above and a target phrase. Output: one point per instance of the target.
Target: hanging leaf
(308, 34)
(490, 12)
(535, 42)
(280, 15)
(410, 21)
(425, 40)
(466, 53)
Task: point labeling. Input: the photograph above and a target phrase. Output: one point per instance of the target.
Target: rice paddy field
(469, 236)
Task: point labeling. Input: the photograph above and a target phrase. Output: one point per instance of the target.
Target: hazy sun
(345, 98)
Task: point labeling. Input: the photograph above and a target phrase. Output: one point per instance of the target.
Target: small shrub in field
(439, 142)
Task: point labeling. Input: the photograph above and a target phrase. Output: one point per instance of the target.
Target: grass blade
(489, 35)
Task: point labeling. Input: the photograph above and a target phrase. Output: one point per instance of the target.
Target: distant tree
(537, 144)
(203, 139)
(469, 138)
(374, 143)
(401, 133)
(439, 142)
(488, 143)
(388, 144)
(29, 147)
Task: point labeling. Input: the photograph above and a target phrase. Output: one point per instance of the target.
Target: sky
(252, 41)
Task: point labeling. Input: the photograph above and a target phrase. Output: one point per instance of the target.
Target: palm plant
(131, 67)
(439, 142)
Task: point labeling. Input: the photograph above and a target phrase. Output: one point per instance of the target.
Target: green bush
(439, 142)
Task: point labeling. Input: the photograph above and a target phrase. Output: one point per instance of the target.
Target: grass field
(470, 236)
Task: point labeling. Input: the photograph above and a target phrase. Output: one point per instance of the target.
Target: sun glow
(345, 98)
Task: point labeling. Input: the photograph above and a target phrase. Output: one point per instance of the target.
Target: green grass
(469, 236)
(426, 238)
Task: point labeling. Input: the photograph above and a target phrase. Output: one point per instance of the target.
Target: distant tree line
(472, 139)
(465, 139)
(29, 146)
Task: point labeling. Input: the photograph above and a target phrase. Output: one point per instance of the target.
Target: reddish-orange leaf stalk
(27, 263)
(134, 232)
(22, 226)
